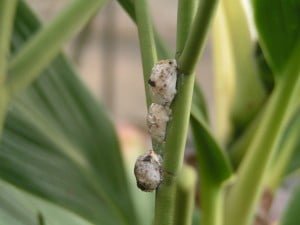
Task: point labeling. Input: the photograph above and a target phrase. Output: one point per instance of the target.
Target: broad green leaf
(34, 56)
(213, 167)
(59, 144)
(291, 215)
(212, 159)
(198, 104)
(278, 25)
(20, 208)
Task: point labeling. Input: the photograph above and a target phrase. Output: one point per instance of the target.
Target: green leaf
(266, 75)
(7, 11)
(128, 6)
(147, 43)
(243, 196)
(278, 25)
(214, 168)
(198, 103)
(43, 46)
(291, 215)
(59, 144)
(213, 162)
(212, 159)
(20, 208)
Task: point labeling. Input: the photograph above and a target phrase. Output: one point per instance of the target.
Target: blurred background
(107, 56)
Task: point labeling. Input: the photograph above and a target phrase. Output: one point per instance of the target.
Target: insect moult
(157, 119)
(148, 171)
(163, 80)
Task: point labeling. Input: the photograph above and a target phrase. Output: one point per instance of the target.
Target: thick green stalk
(25, 67)
(192, 50)
(147, 43)
(185, 195)
(178, 126)
(7, 12)
(174, 150)
(245, 193)
(185, 16)
(212, 204)
(165, 195)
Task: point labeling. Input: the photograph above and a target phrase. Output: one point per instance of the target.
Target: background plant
(57, 143)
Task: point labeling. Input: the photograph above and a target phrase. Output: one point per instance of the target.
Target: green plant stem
(178, 126)
(192, 50)
(289, 145)
(173, 152)
(239, 147)
(147, 43)
(212, 204)
(185, 195)
(185, 16)
(25, 67)
(245, 193)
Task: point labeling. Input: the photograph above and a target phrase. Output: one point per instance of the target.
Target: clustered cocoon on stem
(148, 171)
(157, 119)
(163, 81)
(163, 78)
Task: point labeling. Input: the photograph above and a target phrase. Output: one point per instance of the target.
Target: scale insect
(157, 119)
(148, 171)
(163, 81)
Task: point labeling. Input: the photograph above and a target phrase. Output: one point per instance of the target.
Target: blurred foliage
(71, 155)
